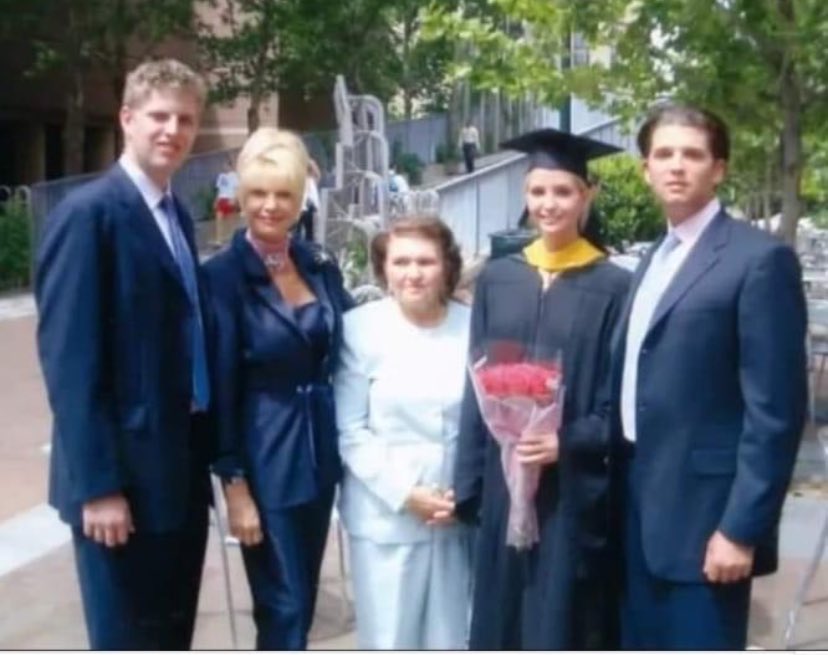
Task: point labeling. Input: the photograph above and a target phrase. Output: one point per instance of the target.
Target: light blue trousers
(412, 596)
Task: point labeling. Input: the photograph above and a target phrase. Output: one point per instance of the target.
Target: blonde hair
(162, 74)
(279, 151)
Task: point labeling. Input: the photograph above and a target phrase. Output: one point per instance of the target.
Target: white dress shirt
(398, 390)
(661, 270)
(151, 194)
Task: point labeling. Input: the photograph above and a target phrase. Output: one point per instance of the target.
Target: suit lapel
(144, 225)
(702, 258)
(262, 285)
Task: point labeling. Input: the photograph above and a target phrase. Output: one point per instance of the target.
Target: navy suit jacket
(273, 401)
(115, 352)
(720, 401)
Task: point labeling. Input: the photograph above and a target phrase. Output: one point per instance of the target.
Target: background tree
(627, 210)
(77, 37)
(760, 63)
(243, 50)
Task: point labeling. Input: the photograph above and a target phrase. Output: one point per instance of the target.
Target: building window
(580, 51)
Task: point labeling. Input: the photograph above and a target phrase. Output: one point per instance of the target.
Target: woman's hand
(428, 505)
(443, 517)
(541, 448)
(242, 514)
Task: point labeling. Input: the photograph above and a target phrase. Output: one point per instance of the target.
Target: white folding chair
(225, 540)
(816, 558)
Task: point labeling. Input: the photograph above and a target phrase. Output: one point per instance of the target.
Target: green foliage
(205, 200)
(15, 245)
(627, 210)
(266, 46)
(761, 64)
(446, 153)
(354, 263)
(75, 38)
(410, 164)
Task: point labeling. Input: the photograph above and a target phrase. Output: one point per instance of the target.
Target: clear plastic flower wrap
(518, 396)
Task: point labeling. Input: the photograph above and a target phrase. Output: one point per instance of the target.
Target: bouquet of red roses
(517, 398)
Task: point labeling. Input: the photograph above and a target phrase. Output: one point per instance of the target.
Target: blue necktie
(186, 266)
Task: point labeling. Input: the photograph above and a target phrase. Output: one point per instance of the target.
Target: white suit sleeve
(385, 471)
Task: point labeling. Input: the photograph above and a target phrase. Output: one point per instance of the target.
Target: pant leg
(447, 607)
(143, 595)
(707, 616)
(468, 156)
(658, 614)
(315, 523)
(283, 573)
(390, 586)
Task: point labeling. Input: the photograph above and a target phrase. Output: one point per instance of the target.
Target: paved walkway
(39, 600)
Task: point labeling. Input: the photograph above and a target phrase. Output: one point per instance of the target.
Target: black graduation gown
(560, 594)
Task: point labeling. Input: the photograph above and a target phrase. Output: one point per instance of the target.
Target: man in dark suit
(121, 344)
(711, 373)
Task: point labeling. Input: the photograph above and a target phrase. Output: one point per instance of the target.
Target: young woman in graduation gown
(277, 305)
(559, 296)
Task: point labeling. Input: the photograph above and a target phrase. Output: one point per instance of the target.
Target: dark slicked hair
(718, 136)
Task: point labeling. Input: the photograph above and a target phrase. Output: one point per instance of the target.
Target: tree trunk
(73, 130)
(791, 138)
(253, 113)
(498, 119)
(407, 91)
(767, 191)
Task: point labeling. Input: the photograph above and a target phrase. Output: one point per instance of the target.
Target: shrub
(15, 245)
(410, 164)
(445, 154)
(627, 210)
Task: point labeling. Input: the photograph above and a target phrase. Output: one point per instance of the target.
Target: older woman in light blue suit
(398, 393)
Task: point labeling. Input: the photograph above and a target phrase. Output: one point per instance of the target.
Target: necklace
(274, 254)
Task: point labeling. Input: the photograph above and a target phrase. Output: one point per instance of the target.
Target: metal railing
(491, 199)
(486, 201)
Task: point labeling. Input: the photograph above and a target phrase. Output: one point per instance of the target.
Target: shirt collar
(149, 191)
(690, 229)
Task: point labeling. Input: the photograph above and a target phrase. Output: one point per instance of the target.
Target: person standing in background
(226, 206)
(469, 144)
(310, 202)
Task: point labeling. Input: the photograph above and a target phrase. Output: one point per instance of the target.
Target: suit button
(645, 351)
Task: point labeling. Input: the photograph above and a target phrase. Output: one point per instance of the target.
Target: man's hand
(242, 514)
(107, 520)
(428, 504)
(538, 448)
(726, 561)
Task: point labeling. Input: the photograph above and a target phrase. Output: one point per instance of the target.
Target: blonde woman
(560, 295)
(277, 305)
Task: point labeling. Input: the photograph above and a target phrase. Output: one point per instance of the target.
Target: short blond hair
(266, 138)
(279, 151)
(162, 74)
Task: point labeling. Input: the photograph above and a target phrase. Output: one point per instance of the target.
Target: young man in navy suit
(711, 373)
(121, 344)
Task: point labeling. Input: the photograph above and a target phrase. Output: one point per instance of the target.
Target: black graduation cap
(555, 150)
